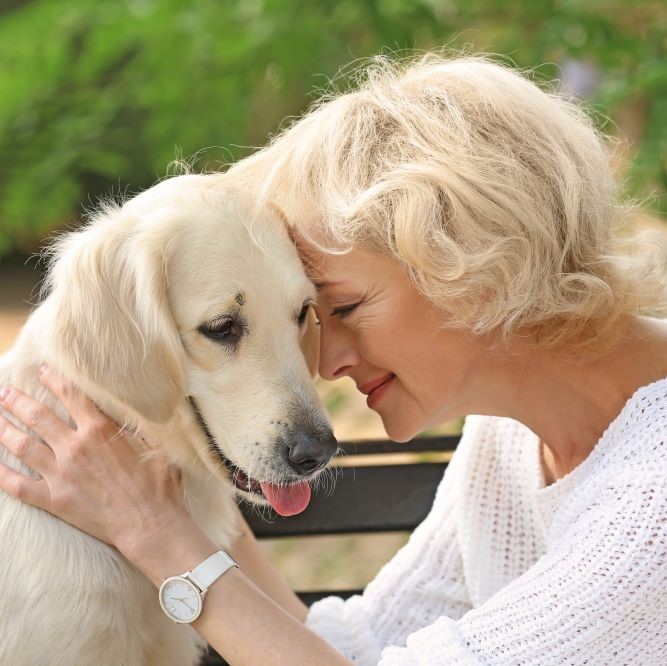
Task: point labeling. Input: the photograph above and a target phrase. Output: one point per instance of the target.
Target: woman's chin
(400, 432)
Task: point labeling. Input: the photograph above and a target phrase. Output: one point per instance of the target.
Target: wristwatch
(182, 596)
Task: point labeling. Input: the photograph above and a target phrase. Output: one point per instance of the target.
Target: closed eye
(344, 310)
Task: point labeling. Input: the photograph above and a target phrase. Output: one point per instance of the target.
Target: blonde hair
(496, 195)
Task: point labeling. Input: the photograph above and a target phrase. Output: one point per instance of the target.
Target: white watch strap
(211, 569)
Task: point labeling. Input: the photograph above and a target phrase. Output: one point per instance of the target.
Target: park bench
(381, 486)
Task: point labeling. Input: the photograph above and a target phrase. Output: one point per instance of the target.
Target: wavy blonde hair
(495, 194)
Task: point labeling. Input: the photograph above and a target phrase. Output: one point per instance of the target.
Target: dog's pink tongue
(287, 500)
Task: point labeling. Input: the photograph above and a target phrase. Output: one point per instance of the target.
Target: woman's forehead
(323, 270)
(320, 262)
(328, 270)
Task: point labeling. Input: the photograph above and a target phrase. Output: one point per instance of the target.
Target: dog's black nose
(308, 451)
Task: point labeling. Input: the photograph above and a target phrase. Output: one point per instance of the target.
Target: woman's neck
(569, 401)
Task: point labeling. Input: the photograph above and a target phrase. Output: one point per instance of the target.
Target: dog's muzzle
(304, 449)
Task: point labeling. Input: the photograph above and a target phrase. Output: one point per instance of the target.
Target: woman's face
(378, 329)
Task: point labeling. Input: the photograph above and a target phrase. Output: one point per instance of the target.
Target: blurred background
(99, 96)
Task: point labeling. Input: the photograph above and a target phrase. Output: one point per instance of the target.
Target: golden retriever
(184, 314)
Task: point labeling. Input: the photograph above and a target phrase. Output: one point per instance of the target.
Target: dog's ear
(111, 321)
(310, 342)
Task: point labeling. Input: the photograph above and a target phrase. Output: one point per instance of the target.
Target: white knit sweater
(506, 570)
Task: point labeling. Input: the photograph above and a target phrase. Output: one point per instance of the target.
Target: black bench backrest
(369, 498)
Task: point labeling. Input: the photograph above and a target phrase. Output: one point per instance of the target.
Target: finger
(35, 455)
(78, 405)
(33, 414)
(32, 491)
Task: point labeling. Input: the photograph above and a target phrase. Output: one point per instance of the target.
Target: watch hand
(186, 604)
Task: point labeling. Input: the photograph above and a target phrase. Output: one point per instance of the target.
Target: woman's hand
(104, 481)
(99, 480)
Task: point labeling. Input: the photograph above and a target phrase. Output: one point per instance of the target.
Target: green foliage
(100, 95)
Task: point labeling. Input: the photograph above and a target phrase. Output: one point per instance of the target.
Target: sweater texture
(507, 570)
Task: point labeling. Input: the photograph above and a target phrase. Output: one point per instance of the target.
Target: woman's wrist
(172, 545)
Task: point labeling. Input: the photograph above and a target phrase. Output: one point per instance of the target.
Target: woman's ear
(111, 321)
(310, 342)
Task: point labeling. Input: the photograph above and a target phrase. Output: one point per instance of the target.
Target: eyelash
(344, 310)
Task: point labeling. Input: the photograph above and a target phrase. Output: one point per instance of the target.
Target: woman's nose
(337, 352)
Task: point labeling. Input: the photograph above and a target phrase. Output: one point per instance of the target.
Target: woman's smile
(376, 388)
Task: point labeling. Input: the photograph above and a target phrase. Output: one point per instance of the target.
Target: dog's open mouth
(239, 478)
(286, 499)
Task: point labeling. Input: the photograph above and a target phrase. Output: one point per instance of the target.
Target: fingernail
(4, 393)
(42, 368)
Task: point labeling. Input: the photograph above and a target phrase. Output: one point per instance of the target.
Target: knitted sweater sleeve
(424, 581)
(598, 596)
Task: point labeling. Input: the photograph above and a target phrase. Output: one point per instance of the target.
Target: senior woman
(457, 221)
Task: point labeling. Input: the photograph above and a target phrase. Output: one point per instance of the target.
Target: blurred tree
(100, 95)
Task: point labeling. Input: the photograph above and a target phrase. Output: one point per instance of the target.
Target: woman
(457, 221)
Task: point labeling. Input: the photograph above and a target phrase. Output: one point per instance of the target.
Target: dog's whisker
(334, 473)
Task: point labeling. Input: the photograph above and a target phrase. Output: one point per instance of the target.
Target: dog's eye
(224, 329)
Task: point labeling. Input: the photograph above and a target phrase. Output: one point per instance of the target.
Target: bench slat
(361, 503)
(418, 445)
(309, 598)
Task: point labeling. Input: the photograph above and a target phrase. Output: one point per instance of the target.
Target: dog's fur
(127, 297)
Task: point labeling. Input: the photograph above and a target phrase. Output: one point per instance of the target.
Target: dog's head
(185, 304)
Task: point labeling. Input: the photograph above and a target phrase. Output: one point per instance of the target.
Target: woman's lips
(376, 389)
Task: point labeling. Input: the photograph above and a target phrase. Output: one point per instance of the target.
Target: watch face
(180, 599)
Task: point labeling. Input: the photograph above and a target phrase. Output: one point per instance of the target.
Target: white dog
(182, 314)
